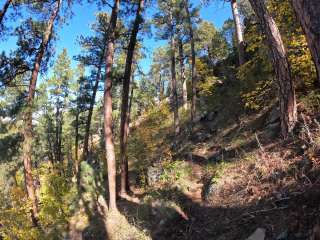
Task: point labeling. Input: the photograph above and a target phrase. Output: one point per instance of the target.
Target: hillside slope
(228, 176)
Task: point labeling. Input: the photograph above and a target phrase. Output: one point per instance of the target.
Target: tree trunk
(239, 32)
(182, 76)
(129, 119)
(92, 102)
(60, 137)
(56, 142)
(308, 14)
(174, 93)
(109, 144)
(124, 125)
(281, 66)
(76, 146)
(193, 64)
(161, 88)
(27, 132)
(4, 10)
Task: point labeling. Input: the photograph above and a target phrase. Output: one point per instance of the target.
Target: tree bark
(57, 133)
(193, 64)
(27, 132)
(76, 146)
(182, 75)
(308, 14)
(287, 98)
(174, 93)
(4, 10)
(92, 102)
(128, 132)
(109, 144)
(161, 86)
(124, 125)
(239, 32)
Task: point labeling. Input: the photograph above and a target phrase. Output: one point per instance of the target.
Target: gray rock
(283, 235)
(273, 130)
(154, 174)
(259, 234)
(274, 116)
(210, 190)
(211, 116)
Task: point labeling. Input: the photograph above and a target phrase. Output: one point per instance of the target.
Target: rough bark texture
(27, 132)
(174, 93)
(4, 10)
(124, 125)
(281, 67)
(308, 14)
(239, 32)
(92, 102)
(193, 64)
(109, 144)
(182, 76)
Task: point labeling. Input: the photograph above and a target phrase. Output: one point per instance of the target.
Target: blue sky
(84, 16)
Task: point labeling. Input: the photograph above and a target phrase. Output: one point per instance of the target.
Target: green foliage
(174, 171)
(15, 216)
(57, 197)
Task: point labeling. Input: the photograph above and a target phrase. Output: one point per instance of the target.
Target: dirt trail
(194, 192)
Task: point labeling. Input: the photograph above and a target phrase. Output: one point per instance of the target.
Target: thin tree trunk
(182, 75)
(174, 93)
(27, 132)
(308, 14)
(60, 137)
(124, 125)
(4, 10)
(76, 146)
(161, 94)
(57, 134)
(92, 102)
(193, 64)
(128, 132)
(287, 98)
(109, 144)
(239, 32)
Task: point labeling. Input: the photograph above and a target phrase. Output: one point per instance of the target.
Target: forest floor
(229, 176)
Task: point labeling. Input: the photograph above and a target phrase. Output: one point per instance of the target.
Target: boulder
(273, 116)
(153, 174)
(210, 190)
(211, 116)
(283, 236)
(259, 234)
(273, 130)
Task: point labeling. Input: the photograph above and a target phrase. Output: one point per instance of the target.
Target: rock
(210, 190)
(274, 116)
(259, 234)
(283, 235)
(217, 153)
(211, 116)
(200, 136)
(154, 174)
(273, 130)
(199, 158)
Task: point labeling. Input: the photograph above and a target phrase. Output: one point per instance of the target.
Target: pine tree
(281, 67)
(109, 144)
